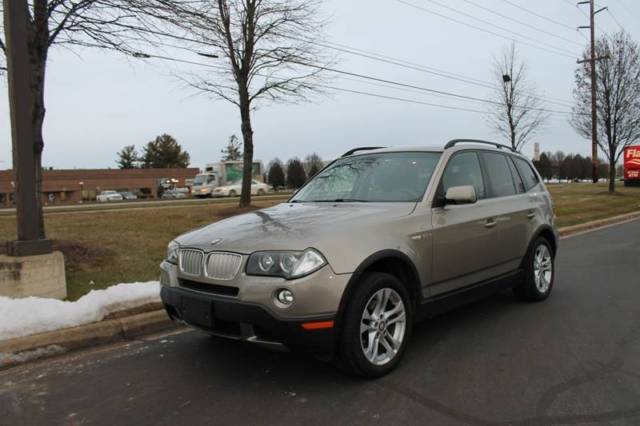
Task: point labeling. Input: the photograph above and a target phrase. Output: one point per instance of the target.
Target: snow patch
(31, 315)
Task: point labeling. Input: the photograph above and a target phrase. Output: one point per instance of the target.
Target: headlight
(285, 264)
(172, 252)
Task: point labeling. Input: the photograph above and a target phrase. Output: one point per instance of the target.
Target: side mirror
(461, 195)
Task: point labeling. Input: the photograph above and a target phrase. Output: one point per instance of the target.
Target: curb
(23, 349)
(597, 224)
(151, 318)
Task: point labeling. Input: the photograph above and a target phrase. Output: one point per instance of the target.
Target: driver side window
(464, 169)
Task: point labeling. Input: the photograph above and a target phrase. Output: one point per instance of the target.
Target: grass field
(107, 247)
(583, 202)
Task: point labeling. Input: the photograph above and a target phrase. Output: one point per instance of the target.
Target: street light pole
(16, 18)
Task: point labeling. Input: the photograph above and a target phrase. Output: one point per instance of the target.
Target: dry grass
(107, 247)
(103, 248)
(583, 202)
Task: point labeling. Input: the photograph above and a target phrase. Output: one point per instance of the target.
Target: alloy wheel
(542, 268)
(383, 326)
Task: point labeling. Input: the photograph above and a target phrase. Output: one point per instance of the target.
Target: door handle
(490, 223)
(531, 215)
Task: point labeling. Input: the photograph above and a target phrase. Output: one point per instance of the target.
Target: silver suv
(379, 238)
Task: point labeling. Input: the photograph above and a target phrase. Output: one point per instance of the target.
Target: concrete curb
(22, 349)
(152, 318)
(597, 224)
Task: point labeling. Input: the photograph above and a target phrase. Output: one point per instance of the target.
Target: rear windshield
(387, 177)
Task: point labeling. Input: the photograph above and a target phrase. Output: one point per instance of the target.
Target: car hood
(292, 226)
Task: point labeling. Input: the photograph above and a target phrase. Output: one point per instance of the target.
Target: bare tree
(269, 50)
(517, 112)
(617, 97)
(121, 25)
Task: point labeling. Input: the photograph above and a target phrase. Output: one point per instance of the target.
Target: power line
(377, 81)
(615, 19)
(627, 8)
(422, 68)
(546, 18)
(413, 101)
(507, 30)
(483, 29)
(502, 15)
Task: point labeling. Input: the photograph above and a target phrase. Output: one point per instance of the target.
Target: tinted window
(528, 175)
(516, 178)
(499, 175)
(464, 169)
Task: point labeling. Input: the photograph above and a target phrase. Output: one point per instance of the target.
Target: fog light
(285, 297)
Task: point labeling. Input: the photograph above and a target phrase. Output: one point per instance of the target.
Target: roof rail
(362, 148)
(453, 142)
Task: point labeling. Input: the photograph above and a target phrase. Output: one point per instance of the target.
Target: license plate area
(197, 312)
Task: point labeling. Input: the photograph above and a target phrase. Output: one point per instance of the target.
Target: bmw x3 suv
(378, 239)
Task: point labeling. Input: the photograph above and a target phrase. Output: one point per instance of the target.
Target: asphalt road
(574, 359)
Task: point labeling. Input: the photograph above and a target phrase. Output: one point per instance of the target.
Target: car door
(464, 236)
(511, 207)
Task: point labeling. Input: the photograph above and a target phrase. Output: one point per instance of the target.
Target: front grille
(191, 261)
(220, 290)
(223, 266)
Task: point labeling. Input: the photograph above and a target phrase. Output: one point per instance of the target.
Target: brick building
(73, 186)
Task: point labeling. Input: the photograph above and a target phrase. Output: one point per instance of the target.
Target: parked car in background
(106, 196)
(234, 190)
(128, 195)
(376, 240)
(173, 194)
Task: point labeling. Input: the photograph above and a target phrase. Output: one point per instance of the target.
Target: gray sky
(98, 102)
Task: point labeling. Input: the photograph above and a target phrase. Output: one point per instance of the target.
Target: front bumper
(247, 322)
(246, 307)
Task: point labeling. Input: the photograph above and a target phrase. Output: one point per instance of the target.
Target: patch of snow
(7, 358)
(31, 315)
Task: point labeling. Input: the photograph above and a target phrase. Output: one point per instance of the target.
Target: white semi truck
(221, 174)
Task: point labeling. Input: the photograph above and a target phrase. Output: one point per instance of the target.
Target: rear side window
(520, 188)
(464, 169)
(529, 177)
(499, 175)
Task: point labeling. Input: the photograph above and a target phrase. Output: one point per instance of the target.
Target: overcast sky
(98, 102)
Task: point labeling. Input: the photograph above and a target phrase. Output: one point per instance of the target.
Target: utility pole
(592, 61)
(29, 242)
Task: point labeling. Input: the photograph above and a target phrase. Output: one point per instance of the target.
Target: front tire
(377, 325)
(539, 270)
(232, 193)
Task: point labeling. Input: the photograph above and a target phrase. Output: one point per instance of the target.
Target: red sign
(632, 162)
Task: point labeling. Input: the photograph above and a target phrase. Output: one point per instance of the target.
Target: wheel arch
(547, 233)
(390, 261)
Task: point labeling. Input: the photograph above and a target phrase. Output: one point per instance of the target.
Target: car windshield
(387, 177)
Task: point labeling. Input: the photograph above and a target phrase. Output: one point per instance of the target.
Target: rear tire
(539, 270)
(260, 192)
(376, 326)
(232, 193)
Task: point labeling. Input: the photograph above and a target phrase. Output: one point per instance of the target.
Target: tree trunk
(38, 56)
(37, 123)
(247, 136)
(612, 176)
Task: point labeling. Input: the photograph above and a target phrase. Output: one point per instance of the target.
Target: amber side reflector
(317, 325)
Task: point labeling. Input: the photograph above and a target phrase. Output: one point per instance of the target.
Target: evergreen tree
(233, 150)
(276, 174)
(296, 177)
(164, 152)
(128, 158)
